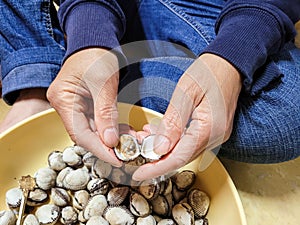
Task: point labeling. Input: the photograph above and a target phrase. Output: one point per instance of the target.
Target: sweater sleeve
(249, 32)
(99, 23)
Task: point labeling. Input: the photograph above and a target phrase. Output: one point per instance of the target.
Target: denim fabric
(31, 46)
(266, 128)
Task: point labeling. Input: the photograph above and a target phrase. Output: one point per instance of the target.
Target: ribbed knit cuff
(245, 38)
(92, 25)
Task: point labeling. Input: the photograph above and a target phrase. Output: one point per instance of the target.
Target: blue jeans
(31, 46)
(266, 127)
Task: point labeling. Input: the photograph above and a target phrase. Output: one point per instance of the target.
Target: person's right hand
(84, 94)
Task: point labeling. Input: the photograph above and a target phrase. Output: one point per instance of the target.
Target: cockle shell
(160, 206)
(68, 215)
(14, 197)
(60, 197)
(71, 158)
(118, 215)
(166, 187)
(147, 149)
(80, 199)
(148, 220)
(128, 148)
(81, 218)
(37, 197)
(177, 194)
(45, 178)
(89, 159)
(117, 195)
(131, 166)
(149, 191)
(79, 150)
(98, 186)
(118, 176)
(101, 169)
(55, 161)
(199, 201)
(183, 214)
(62, 175)
(77, 179)
(31, 219)
(97, 220)
(7, 217)
(166, 222)
(48, 214)
(138, 205)
(95, 206)
(202, 221)
(184, 179)
(157, 218)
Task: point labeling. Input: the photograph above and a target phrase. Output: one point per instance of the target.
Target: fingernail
(116, 164)
(161, 145)
(110, 136)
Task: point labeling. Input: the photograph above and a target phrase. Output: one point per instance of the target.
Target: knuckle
(173, 122)
(107, 111)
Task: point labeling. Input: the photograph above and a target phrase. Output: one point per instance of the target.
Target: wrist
(32, 93)
(222, 68)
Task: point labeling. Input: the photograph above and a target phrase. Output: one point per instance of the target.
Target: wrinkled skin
(85, 95)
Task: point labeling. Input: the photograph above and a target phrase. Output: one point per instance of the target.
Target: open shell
(147, 149)
(128, 148)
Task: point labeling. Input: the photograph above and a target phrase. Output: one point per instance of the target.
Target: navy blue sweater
(248, 32)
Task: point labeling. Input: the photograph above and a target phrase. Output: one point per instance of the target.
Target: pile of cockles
(79, 188)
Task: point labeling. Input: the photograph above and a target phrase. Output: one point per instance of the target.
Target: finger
(82, 135)
(185, 99)
(188, 148)
(126, 129)
(188, 94)
(140, 136)
(102, 80)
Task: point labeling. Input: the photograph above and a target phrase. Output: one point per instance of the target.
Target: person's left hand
(205, 99)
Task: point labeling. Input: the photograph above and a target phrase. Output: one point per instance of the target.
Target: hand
(205, 99)
(84, 94)
(29, 102)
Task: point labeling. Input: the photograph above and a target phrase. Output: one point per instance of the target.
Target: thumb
(102, 81)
